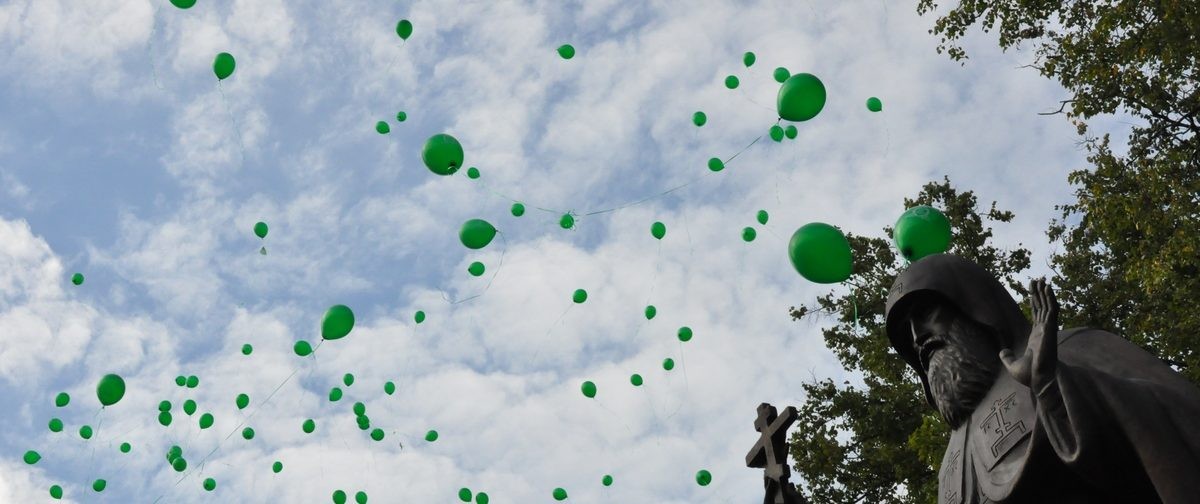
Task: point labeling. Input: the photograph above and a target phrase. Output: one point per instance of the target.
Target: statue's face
(959, 357)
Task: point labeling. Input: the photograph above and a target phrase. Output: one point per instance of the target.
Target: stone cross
(770, 454)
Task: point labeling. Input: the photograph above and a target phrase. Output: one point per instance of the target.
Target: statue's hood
(963, 284)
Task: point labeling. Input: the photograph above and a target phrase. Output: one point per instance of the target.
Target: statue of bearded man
(1038, 414)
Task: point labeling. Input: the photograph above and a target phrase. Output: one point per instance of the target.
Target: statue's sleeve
(1124, 421)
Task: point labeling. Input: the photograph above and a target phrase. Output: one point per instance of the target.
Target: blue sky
(122, 159)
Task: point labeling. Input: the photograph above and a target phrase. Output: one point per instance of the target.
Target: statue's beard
(958, 380)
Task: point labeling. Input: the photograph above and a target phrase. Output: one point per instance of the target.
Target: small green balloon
(223, 66)
(518, 209)
(715, 164)
(339, 497)
(699, 119)
(482, 498)
(685, 333)
(248, 433)
(173, 453)
(99, 485)
(658, 230)
(567, 221)
(668, 364)
(360, 497)
(651, 311)
(921, 231)
(731, 82)
(189, 407)
(475, 269)
(442, 154)
(193, 381)
(260, 229)
(874, 104)
(748, 234)
(464, 494)
(703, 477)
(126, 447)
(820, 253)
(309, 426)
(791, 132)
(85, 432)
(164, 405)
(431, 436)
(401, 116)
(360, 409)
(382, 128)
(419, 316)
(762, 217)
(247, 349)
(589, 389)
(781, 75)
(338, 322)
(181, 380)
(559, 494)
(476, 233)
(364, 422)
(62, 399)
(210, 484)
(348, 379)
(32, 457)
(56, 425)
(580, 296)
(389, 388)
(377, 434)
(335, 394)
(567, 51)
(404, 29)
(56, 491)
(748, 59)
(164, 418)
(302, 348)
(179, 464)
(110, 389)
(801, 97)
(242, 401)
(277, 467)
(206, 420)
(77, 279)
(776, 133)
(607, 480)
(183, 4)
(472, 172)
(635, 379)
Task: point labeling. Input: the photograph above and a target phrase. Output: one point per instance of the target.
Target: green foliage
(862, 444)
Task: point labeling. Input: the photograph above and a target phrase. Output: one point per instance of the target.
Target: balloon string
(396, 57)
(653, 284)
(548, 331)
(150, 45)
(686, 387)
(233, 120)
(503, 251)
(614, 415)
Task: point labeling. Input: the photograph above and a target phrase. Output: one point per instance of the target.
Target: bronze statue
(1038, 414)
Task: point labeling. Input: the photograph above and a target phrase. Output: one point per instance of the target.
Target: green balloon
(762, 217)
(242, 401)
(110, 389)
(77, 279)
(715, 164)
(277, 467)
(164, 406)
(247, 349)
(820, 253)
(179, 464)
(189, 407)
(382, 128)
(62, 399)
(335, 394)
(173, 453)
(193, 381)
(464, 494)
(364, 422)
(567, 221)
(99, 485)
(685, 333)
(377, 434)
(731, 82)
(801, 97)
(475, 269)
(589, 389)
(85, 432)
(389, 388)
(126, 447)
(181, 380)
(518, 209)
(703, 477)
(210, 484)
(748, 59)
(476, 234)
(55, 490)
(748, 234)
(781, 75)
(658, 230)
(481, 498)
(776, 133)
(579, 296)
(566, 51)
(404, 29)
(248, 433)
(874, 105)
(442, 154)
(338, 322)
(635, 379)
(360, 497)
(183, 4)
(431, 436)
(223, 66)
(607, 481)
(419, 316)
(164, 418)
(401, 116)
(668, 364)
(206, 420)
(32, 457)
(260, 229)
(921, 231)
(56, 425)
(360, 409)
(559, 494)
(472, 172)
(339, 497)
(699, 119)
(302, 348)
(651, 311)
(309, 426)
(790, 131)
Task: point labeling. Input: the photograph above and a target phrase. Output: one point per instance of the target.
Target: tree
(863, 444)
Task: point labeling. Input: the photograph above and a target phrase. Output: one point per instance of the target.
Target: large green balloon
(699, 119)
(338, 322)
(404, 29)
(183, 4)
(110, 389)
(921, 231)
(62, 399)
(476, 233)
(579, 296)
(874, 104)
(567, 51)
(442, 154)
(801, 97)
(77, 279)
(589, 389)
(223, 66)
(748, 59)
(820, 253)
(658, 230)
(260, 229)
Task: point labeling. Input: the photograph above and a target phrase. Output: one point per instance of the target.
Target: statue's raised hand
(1036, 368)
